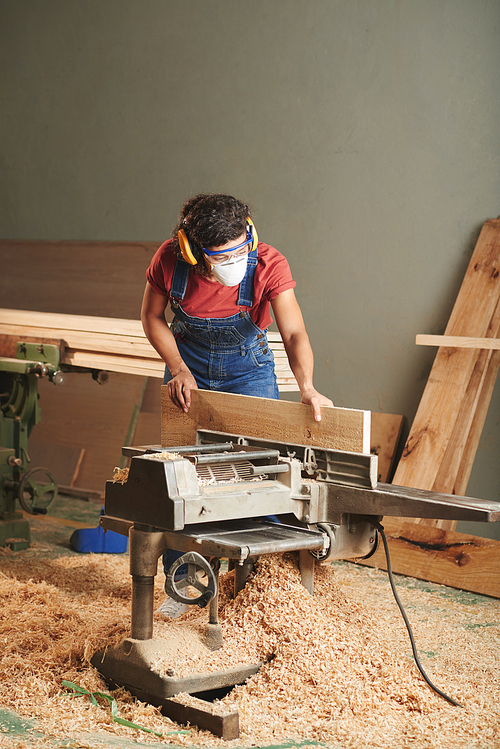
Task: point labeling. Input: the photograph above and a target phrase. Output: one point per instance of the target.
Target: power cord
(380, 529)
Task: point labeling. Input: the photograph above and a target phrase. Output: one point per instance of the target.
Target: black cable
(380, 528)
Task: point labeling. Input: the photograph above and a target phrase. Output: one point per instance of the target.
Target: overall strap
(179, 281)
(245, 298)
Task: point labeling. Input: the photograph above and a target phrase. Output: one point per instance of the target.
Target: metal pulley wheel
(37, 490)
(324, 554)
(346, 541)
(199, 571)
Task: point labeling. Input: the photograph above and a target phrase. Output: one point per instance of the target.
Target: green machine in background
(34, 488)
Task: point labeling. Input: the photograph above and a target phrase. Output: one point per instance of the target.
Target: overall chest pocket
(208, 335)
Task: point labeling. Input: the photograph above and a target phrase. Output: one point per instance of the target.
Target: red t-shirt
(204, 298)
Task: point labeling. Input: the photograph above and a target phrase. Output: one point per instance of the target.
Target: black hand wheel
(198, 569)
(37, 490)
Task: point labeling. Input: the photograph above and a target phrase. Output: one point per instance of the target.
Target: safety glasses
(220, 256)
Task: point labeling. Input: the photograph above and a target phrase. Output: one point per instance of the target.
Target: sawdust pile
(337, 667)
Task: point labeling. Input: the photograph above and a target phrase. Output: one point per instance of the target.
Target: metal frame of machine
(211, 501)
(34, 488)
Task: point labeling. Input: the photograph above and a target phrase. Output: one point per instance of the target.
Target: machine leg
(306, 564)
(145, 548)
(142, 607)
(214, 639)
(241, 574)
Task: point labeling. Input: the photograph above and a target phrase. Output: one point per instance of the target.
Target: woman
(221, 283)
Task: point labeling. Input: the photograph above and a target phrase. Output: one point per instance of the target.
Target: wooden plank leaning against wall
(442, 443)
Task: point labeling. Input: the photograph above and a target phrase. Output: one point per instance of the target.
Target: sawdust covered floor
(338, 667)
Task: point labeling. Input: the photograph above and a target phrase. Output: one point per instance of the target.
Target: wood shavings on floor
(337, 670)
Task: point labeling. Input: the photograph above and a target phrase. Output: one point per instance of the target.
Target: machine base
(132, 665)
(15, 532)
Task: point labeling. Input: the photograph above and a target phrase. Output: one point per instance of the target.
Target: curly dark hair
(211, 220)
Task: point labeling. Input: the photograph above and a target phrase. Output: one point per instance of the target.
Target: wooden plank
(94, 278)
(84, 323)
(49, 321)
(127, 345)
(201, 713)
(462, 445)
(340, 428)
(82, 414)
(445, 557)
(8, 344)
(113, 344)
(63, 461)
(114, 363)
(456, 341)
(451, 373)
(384, 440)
(99, 345)
(476, 427)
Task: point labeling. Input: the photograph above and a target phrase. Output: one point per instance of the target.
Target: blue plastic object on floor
(96, 541)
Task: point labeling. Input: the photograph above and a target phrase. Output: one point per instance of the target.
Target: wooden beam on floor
(445, 557)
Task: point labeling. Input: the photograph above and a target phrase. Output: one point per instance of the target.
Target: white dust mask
(231, 272)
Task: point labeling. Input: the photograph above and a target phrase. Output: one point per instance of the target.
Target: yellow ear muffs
(253, 232)
(185, 248)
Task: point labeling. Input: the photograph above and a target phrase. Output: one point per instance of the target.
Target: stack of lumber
(105, 343)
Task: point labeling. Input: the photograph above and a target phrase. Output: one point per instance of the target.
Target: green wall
(365, 133)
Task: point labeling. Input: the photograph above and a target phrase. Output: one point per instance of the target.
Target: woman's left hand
(316, 401)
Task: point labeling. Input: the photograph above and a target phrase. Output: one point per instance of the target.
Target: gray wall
(365, 133)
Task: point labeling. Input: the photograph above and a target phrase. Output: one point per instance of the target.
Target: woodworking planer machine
(212, 501)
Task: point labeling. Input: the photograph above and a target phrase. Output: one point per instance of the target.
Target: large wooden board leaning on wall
(77, 278)
(444, 436)
(283, 421)
(94, 418)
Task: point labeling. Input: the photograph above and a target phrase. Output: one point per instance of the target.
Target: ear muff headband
(185, 248)
(253, 232)
(187, 252)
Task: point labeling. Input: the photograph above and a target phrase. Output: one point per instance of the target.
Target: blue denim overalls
(229, 354)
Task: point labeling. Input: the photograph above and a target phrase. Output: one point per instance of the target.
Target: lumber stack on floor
(107, 343)
(443, 439)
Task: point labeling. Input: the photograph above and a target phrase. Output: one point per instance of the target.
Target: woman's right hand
(179, 389)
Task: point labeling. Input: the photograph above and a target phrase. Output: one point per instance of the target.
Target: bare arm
(160, 336)
(298, 349)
